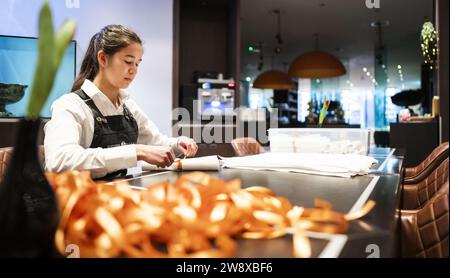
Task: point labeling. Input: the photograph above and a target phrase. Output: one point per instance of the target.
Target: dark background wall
(206, 39)
(8, 129)
(203, 38)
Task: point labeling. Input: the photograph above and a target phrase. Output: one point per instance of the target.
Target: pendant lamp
(316, 64)
(273, 79)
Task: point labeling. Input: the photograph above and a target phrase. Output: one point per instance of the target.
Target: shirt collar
(91, 89)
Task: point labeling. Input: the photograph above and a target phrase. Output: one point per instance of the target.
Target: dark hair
(110, 39)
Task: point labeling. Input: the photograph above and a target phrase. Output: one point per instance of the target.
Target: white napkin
(340, 165)
(204, 163)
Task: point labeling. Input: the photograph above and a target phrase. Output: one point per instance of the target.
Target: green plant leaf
(51, 51)
(62, 40)
(323, 111)
(44, 62)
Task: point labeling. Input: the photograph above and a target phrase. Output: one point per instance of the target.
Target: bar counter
(374, 235)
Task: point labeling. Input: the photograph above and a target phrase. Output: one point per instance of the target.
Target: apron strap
(97, 114)
(89, 103)
(127, 113)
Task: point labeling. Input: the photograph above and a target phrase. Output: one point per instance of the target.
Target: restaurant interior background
(377, 68)
(184, 40)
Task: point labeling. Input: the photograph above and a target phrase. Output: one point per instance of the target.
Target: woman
(98, 127)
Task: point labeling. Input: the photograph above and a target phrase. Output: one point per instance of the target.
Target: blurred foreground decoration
(197, 216)
(28, 206)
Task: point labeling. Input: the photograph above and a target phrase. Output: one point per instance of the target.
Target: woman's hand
(187, 146)
(157, 155)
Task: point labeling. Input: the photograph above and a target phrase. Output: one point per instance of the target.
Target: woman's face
(121, 68)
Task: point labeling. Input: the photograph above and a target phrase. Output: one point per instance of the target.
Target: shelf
(288, 98)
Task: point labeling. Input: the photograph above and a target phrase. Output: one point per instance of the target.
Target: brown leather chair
(418, 189)
(6, 155)
(425, 231)
(246, 146)
(436, 157)
(425, 207)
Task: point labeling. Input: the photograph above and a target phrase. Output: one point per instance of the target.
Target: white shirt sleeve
(64, 149)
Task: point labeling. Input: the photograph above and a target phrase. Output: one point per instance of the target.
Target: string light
(429, 44)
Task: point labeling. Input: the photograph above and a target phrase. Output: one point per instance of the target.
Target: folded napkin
(340, 165)
(205, 163)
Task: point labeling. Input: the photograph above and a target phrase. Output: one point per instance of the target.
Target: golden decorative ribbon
(197, 216)
(179, 164)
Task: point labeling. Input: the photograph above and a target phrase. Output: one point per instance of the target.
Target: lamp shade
(273, 79)
(316, 64)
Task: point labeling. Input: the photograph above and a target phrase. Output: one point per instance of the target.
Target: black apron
(111, 131)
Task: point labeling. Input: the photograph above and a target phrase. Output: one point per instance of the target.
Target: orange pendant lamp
(316, 64)
(273, 79)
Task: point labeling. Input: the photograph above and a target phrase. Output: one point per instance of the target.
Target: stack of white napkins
(204, 163)
(339, 165)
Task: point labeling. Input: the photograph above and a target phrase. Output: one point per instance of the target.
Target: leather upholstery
(425, 207)
(6, 155)
(246, 146)
(416, 195)
(439, 152)
(425, 231)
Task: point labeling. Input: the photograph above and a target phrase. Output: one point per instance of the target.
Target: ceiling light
(316, 64)
(273, 79)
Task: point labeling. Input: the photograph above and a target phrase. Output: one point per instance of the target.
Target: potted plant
(28, 206)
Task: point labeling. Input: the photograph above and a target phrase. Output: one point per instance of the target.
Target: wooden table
(373, 235)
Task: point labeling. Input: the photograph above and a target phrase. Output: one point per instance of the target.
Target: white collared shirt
(70, 131)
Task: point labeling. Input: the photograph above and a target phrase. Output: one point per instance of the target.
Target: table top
(371, 235)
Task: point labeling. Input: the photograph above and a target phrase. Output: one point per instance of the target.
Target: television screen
(18, 57)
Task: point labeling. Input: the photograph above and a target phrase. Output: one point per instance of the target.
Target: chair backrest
(437, 155)
(6, 155)
(425, 231)
(246, 146)
(416, 195)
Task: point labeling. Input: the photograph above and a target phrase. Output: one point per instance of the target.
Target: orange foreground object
(198, 216)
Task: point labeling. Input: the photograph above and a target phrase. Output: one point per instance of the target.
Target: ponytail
(89, 67)
(110, 39)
